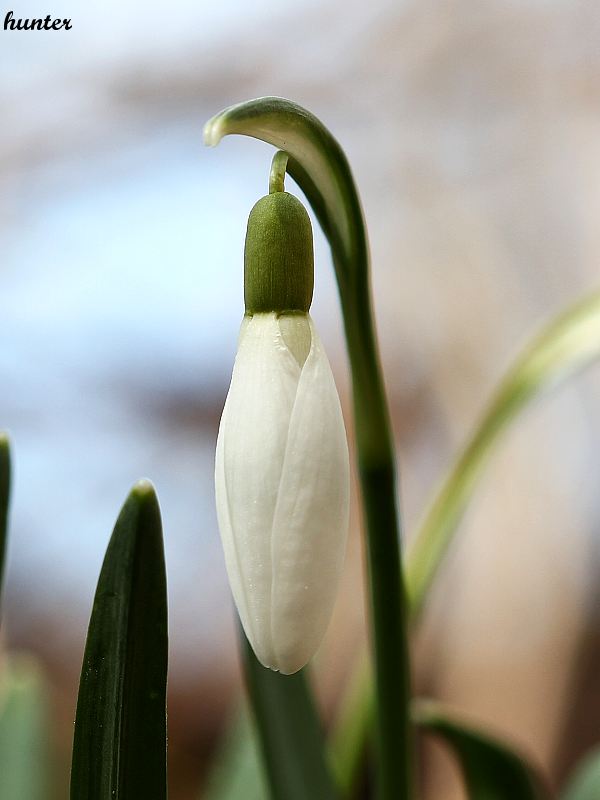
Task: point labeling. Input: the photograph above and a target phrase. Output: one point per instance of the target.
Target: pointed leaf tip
(120, 729)
(144, 489)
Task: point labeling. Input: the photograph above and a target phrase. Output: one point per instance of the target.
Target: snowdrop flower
(281, 471)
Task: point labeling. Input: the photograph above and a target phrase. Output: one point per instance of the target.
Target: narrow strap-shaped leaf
(491, 769)
(4, 500)
(119, 749)
(584, 784)
(321, 169)
(569, 343)
(24, 731)
(291, 738)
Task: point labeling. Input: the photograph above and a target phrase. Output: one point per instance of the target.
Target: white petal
(250, 451)
(282, 484)
(311, 518)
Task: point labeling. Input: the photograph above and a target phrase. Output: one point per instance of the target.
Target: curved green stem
(319, 166)
(277, 174)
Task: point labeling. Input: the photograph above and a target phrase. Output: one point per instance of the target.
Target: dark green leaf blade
(292, 741)
(491, 769)
(4, 498)
(585, 781)
(119, 748)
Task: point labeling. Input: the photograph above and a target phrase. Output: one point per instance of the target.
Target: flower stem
(277, 174)
(377, 473)
(388, 615)
(346, 233)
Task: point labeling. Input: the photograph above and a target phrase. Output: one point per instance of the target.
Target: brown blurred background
(473, 129)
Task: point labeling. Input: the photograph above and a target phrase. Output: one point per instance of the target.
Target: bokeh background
(473, 129)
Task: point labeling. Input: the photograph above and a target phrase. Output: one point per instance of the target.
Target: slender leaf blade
(24, 731)
(491, 769)
(119, 748)
(4, 500)
(584, 784)
(570, 343)
(291, 737)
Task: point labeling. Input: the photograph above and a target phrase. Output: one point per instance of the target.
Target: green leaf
(584, 784)
(491, 770)
(291, 738)
(238, 772)
(119, 749)
(4, 499)
(568, 344)
(23, 731)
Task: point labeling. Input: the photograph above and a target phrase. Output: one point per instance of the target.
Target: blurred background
(473, 129)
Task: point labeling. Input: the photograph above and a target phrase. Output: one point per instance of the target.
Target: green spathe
(278, 256)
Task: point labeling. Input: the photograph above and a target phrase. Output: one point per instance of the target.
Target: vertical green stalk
(377, 473)
(388, 608)
(318, 164)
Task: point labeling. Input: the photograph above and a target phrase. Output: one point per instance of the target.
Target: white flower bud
(282, 487)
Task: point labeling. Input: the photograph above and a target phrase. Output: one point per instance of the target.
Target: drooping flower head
(281, 471)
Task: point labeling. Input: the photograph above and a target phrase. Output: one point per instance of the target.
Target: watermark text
(46, 24)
